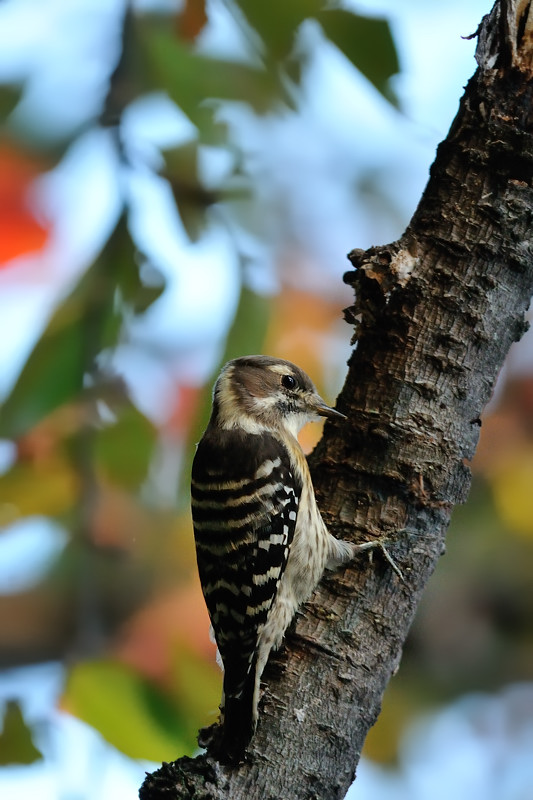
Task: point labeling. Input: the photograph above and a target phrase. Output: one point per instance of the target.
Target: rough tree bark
(435, 314)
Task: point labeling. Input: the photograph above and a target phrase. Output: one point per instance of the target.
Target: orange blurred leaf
(149, 638)
(192, 19)
(185, 409)
(300, 324)
(20, 231)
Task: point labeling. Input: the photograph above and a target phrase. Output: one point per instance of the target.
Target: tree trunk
(435, 314)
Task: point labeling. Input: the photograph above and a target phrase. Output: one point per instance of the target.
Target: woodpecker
(261, 543)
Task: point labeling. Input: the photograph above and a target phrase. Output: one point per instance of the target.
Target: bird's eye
(288, 382)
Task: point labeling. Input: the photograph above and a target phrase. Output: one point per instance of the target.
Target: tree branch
(435, 314)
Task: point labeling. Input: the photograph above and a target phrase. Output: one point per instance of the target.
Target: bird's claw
(380, 544)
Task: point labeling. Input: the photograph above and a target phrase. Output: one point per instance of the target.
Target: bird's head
(261, 393)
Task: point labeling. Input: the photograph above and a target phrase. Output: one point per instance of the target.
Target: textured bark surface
(435, 314)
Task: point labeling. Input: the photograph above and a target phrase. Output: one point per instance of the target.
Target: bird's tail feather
(240, 716)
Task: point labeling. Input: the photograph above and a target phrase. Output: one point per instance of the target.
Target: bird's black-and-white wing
(244, 505)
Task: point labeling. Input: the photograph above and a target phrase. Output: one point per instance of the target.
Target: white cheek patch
(260, 404)
(295, 422)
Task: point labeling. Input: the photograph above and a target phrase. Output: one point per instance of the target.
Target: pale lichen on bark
(434, 316)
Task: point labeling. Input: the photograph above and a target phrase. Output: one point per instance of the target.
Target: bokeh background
(180, 183)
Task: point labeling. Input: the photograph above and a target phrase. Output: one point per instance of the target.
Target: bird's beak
(326, 411)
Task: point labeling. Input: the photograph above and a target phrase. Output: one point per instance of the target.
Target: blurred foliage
(16, 741)
(20, 231)
(360, 39)
(159, 723)
(122, 605)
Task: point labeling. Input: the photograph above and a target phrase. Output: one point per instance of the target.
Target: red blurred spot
(185, 408)
(20, 231)
(192, 20)
(148, 638)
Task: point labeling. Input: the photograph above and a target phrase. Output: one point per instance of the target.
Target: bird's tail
(240, 714)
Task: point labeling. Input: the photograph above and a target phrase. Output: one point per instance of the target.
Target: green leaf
(9, 97)
(123, 450)
(125, 268)
(16, 741)
(191, 78)
(367, 43)
(52, 375)
(277, 22)
(212, 130)
(191, 196)
(87, 322)
(198, 687)
(130, 713)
